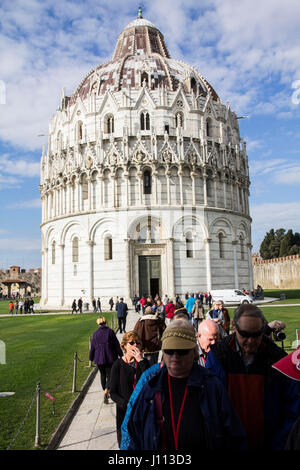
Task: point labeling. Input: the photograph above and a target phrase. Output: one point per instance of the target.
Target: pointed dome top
(140, 35)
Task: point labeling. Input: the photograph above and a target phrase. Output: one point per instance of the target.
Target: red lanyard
(134, 378)
(176, 433)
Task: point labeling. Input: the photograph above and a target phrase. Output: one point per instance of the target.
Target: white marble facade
(143, 160)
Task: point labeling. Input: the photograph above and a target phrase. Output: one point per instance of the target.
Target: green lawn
(41, 349)
(292, 295)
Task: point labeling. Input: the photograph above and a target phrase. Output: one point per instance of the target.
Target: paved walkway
(94, 425)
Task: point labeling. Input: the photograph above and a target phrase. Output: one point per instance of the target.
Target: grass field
(41, 349)
(292, 295)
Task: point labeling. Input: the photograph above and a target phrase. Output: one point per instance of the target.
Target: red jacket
(170, 309)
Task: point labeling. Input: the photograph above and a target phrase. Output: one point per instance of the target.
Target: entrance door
(149, 275)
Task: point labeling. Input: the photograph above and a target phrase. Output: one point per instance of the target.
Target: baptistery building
(144, 183)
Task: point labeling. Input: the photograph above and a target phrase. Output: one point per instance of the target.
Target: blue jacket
(223, 427)
(281, 394)
(121, 310)
(190, 304)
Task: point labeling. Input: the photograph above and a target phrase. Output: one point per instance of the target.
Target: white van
(231, 296)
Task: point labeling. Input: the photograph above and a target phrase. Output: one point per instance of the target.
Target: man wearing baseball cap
(183, 406)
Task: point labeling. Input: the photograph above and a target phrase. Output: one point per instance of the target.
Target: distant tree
(279, 243)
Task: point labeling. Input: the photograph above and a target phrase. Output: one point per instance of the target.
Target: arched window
(79, 130)
(108, 248)
(53, 252)
(209, 127)
(147, 182)
(221, 237)
(109, 124)
(179, 120)
(145, 121)
(193, 85)
(75, 249)
(85, 188)
(144, 79)
(189, 245)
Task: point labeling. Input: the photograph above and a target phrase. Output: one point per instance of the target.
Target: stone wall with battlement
(277, 273)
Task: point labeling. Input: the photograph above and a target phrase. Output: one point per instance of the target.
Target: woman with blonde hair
(105, 350)
(125, 374)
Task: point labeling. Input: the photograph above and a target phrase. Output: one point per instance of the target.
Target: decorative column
(100, 179)
(89, 180)
(208, 266)
(91, 244)
(235, 264)
(126, 176)
(154, 175)
(62, 275)
(45, 276)
(249, 246)
(181, 186)
(224, 189)
(170, 263)
(205, 189)
(215, 188)
(140, 183)
(193, 175)
(168, 173)
(70, 191)
(79, 194)
(127, 268)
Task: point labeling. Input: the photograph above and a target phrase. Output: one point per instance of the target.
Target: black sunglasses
(247, 334)
(180, 352)
(133, 342)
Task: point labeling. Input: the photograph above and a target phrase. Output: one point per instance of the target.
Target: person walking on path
(80, 305)
(111, 303)
(150, 328)
(105, 350)
(190, 304)
(125, 373)
(99, 305)
(11, 307)
(21, 305)
(197, 313)
(74, 306)
(122, 310)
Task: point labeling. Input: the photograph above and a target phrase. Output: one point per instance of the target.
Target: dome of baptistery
(145, 182)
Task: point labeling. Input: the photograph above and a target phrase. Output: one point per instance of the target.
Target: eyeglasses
(180, 352)
(247, 334)
(133, 342)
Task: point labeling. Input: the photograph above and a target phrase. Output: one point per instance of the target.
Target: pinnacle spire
(140, 14)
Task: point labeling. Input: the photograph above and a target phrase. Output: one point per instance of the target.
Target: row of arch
(145, 125)
(189, 226)
(160, 186)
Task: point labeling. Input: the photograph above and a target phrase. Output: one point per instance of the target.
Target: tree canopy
(279, 243)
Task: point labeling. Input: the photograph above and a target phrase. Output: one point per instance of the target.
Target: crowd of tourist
(20, 306)
(219, 383)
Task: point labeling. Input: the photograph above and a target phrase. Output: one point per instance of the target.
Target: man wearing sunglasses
(181, 406)
(267, 403)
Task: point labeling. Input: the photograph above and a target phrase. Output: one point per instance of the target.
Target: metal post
(74, 373)
(37, 426)
(90, 344)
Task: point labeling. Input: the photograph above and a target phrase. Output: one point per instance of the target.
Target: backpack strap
(160, 420)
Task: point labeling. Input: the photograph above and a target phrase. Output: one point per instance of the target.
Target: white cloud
(20, 244)
(32, 204)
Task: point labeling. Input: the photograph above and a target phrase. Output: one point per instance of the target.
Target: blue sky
(248, 50)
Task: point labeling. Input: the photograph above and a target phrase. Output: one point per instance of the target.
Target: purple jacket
(105, 347)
